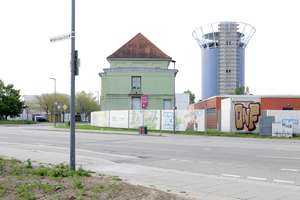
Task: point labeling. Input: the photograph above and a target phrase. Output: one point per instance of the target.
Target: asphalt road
(267, 160)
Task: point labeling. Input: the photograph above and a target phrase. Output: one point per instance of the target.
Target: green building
(138, 69)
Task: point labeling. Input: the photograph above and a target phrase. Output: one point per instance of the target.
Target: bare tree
(44, 103)
(85, 103)
(29, 107)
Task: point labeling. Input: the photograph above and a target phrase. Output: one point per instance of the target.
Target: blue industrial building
(223, 56)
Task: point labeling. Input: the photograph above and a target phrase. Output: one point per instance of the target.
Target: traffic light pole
(72, 107)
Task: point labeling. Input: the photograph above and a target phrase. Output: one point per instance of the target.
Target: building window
(211, 111)
(136, 83)
(167, 104)
(228, 71)
(288, 108)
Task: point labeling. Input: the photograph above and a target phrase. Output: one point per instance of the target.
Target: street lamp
(23, 97)
(98, 100)
(173, 61)
(54, 101)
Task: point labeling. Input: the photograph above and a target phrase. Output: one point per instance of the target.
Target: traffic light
(77, 63)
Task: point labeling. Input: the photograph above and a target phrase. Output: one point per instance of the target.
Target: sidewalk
(197, 185)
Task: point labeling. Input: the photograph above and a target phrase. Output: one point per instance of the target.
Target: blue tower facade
(223, 56)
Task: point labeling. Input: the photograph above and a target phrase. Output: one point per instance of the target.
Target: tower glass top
(208, 36)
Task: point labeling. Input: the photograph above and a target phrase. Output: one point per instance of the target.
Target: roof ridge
(141, 48)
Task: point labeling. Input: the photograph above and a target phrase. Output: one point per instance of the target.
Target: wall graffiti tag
(247, 115)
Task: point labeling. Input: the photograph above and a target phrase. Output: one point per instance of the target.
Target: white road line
(99, 145)
(232, 175)
(204, 162)
(292, 170)
(108, 154)
(283, 181)
(290, 150)
(187, 161)
(224, 164)
(153, 149)
(119, 142)
(256, 178)
(77, 150)
(277, 157)
(173, 159)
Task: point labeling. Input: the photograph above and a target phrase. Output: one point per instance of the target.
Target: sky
(29, 60)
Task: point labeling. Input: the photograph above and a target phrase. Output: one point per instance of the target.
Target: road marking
(292, 170)
(187, 161)
(232, 175)
(173, 159)
(290, 150)
(108, 154)
(290, 158)
(283, 181)
(204, 162)
(171, 150)
(224, 164)
(120, 142)
(256, 178)
(47, 142)
(77, 150)
(99, 145)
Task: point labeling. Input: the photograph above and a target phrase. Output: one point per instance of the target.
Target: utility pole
(174, 121)
(54, 101)
(75, 63)
(72, 121)
(98, 100)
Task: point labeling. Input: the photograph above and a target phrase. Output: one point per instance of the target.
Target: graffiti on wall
(185, 120)
(149, 118)
(247, 115)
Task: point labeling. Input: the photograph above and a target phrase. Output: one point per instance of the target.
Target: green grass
(21, 180)
(89, 127)
(17, 122)
(209, 132)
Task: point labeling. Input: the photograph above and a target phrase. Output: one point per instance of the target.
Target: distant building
(223, 56)
(28, 113)
(268, 102)
(182, 101)
(137, 70)
(214, 108)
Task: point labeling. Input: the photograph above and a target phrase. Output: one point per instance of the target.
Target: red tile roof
(139, 47)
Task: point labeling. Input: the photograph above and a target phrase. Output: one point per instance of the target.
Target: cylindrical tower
(223, 56)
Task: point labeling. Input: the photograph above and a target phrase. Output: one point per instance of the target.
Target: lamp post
(22, 107)
(98, 100)
(54, 101)
(173, 61)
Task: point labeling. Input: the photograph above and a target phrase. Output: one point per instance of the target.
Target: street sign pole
(72, 107)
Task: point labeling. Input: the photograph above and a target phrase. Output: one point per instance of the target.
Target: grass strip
(209, 132)
(22, 180)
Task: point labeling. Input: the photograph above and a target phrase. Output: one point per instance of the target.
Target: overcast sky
(28, 60)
